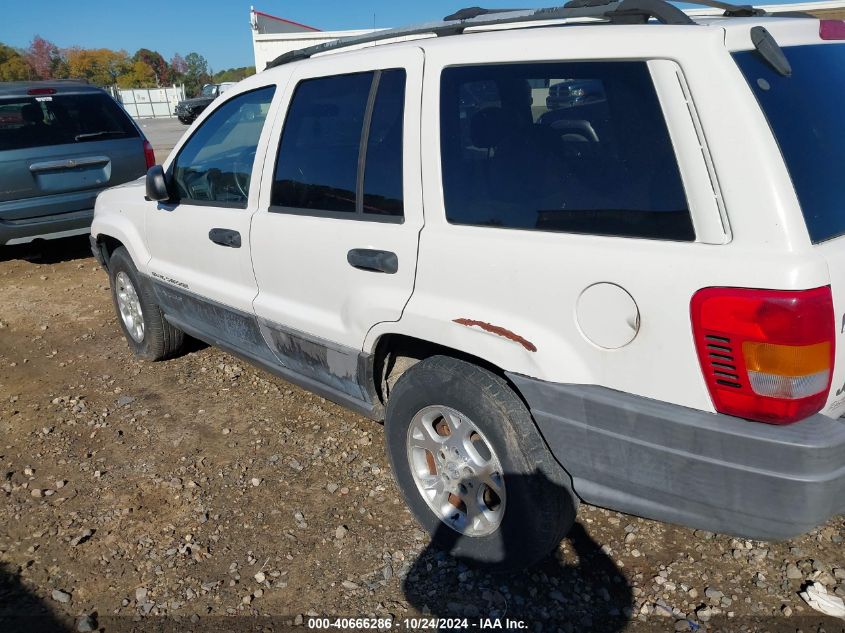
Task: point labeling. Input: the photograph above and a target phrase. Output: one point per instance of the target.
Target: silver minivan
(61, 143)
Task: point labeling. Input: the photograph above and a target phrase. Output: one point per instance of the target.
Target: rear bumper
(45, 227)
(680, 465)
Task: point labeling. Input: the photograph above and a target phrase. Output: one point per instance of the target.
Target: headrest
(31, 113)
(489, 126)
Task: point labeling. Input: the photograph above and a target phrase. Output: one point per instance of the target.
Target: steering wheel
(212, 179)
(242, 170)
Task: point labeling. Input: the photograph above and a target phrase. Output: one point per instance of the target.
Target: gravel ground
(197, 492)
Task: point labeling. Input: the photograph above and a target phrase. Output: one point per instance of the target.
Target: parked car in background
(574, 92)
(189, 109)
(61, 143)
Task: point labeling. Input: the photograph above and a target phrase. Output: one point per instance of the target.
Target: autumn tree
(13, 66)
(156, 62)
(100, 66)
(234, 74)
(45, 58)
(178, 64)
(139, 75)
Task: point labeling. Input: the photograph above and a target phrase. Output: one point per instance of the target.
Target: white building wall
(268, 47)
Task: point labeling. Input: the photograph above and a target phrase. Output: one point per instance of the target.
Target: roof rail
(473, 12)
(641, 11)
(613, 11)
(480, 17)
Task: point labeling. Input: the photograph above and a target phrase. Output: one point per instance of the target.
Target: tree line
(104, 67)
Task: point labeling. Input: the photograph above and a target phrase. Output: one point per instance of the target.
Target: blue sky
(217, 29)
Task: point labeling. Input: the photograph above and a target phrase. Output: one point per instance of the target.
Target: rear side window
(806, 114)
(570, 147)
(61, 119)
(341, 149)
(318, 155)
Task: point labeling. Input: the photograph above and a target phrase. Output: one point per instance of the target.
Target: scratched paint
(498, 331)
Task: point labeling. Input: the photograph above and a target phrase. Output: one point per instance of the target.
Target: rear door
(335, 240)
(58, 150)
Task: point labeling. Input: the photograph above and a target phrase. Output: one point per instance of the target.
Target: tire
(538, 507)
(158, 339)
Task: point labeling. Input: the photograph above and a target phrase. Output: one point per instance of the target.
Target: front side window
(215, 165)
(341, 149)
(566, 147)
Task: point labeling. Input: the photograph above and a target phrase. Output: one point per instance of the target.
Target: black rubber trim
(239, 333)
(97, 252)
(366, 409)
(365, 141)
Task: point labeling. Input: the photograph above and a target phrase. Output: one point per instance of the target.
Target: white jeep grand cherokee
(599, 259)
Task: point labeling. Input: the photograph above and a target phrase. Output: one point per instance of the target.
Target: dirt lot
(193, 493)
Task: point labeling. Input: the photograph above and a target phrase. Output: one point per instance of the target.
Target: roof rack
(612, 11)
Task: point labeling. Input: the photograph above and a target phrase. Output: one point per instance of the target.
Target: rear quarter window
(60, 119)
(563, 147)
(806, 112)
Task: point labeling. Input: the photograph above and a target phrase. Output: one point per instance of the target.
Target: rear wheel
(473, 467)
(148, 333)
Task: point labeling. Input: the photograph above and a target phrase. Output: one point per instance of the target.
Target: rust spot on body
(498, 331)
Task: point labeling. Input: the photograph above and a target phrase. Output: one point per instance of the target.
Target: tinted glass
(805, 112)
(215, 165)
(61, 119)
(317, 166)
(570, 147)
(383, 170)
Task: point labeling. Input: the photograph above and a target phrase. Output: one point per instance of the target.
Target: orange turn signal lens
(786, 360)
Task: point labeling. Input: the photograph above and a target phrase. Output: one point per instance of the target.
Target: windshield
(209, 90)
(38, 121)
(805, 112)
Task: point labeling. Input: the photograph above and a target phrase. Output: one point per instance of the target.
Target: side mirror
(157, 184)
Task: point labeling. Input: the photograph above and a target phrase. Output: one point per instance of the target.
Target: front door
(335, 240)
(199, 242)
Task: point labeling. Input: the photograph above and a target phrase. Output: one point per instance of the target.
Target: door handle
(225, 237)
(373, 261)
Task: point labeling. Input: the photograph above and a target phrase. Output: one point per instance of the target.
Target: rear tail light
(41, 91)
(832, 29)
(767, 355)
(149, 154)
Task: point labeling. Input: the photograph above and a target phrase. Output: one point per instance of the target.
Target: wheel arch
(111, 237)
(395, 353)
(107, 245)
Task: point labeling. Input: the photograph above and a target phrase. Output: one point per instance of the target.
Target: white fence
(150, 103)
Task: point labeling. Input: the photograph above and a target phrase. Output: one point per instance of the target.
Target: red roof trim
(273, 17)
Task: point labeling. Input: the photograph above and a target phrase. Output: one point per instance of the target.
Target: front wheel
(148, 333)
(473, 467)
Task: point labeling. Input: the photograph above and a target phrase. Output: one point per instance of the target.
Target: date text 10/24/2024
(417, 624)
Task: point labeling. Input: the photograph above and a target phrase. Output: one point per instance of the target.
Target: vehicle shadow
(576, 588)
(48, 251)
(21, 611)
